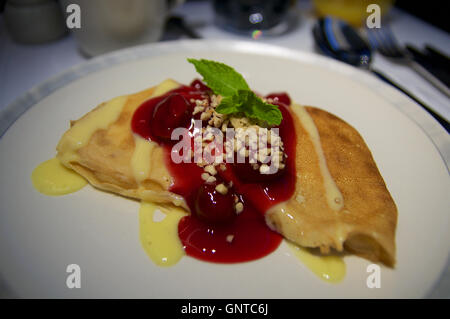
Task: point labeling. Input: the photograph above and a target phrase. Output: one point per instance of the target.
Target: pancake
(340, 201)
(101, 147)
(365, 222)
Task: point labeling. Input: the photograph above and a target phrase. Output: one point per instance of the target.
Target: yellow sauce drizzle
(81, 131)
(329, 268)
(333, 195)
(142, 155)
(52, 178)
(159, 236)
(141, 160)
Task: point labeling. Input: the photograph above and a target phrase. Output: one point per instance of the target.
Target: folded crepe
(102, 147)
(365, 218)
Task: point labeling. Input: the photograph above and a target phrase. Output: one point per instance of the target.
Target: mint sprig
(248, 103)
(220, 78)
(237, 96)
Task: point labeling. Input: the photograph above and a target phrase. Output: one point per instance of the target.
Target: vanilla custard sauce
(80, 133)
(333, 195)
(158, 233)
(141, 159)
(330, 268)
(52, 178)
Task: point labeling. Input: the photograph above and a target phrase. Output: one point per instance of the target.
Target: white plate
(40, 235)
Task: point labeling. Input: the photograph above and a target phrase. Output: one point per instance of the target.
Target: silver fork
(383, 40)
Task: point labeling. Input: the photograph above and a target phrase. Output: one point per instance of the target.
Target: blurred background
(42, 38)
(39, 21)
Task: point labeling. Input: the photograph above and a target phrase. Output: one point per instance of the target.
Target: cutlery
(339, 40)
(434, 61)
(383, 40)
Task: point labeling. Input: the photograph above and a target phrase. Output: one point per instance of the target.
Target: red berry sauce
(210, 233)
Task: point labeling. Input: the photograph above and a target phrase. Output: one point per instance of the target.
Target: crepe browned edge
(365, 226)
(105, 161)
(367, 222)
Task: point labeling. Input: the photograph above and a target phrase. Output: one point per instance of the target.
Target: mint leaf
(248, 103)
(236, 94)
(229, 105)
(221, 78)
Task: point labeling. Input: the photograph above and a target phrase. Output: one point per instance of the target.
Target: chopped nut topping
(222, 189)
(260, 146)
(264, 169)
(198, 109)
(210, 169)
(239, 207)
(206, 115)
(225, 126)
(238, 122)
(215, 100)
(211, 180)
